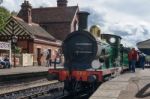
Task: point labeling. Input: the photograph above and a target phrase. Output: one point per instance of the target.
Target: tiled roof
(144, 44)
(53, 14)
(35, 29)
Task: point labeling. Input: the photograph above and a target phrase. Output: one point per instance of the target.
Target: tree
(4, 15)
(14, 13)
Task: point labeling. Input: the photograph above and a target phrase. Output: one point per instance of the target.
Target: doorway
(39, 56)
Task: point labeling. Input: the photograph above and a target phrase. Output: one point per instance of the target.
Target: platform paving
(27, 69)
(126, 86)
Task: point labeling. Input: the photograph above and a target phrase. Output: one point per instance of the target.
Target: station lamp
(14, 41)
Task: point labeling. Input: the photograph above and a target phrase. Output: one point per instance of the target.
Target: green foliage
(16, 49)
(4, 15)
(14, 13)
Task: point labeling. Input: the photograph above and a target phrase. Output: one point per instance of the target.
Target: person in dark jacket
(48, 60)
(7, 63)
(133, 59)
(142, 60)
(2, 64)
(129, 60)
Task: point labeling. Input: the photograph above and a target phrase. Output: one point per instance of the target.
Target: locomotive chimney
(83, 16)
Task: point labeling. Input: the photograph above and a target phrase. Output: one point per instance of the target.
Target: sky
(129, 19)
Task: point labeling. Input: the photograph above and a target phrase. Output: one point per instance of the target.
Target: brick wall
(26, 45)
(43, 48)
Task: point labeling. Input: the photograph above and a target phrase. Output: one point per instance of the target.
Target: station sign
(5, 46)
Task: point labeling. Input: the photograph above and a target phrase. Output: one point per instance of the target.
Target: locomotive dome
(95, 31)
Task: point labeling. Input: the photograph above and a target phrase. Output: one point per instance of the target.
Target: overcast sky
(128, 18)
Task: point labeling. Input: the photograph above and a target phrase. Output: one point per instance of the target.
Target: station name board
(5, 46)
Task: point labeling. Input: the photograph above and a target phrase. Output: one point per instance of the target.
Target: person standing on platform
(133, 59)
(129, 60)
(7, 63)
(142, 60)
(50, 62)
(47, 60)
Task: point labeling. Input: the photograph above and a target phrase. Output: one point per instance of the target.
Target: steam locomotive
(90, 56)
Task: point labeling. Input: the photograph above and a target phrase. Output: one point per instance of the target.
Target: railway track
(82, 94)
(37, 88)
(79, 94)
(31, 90)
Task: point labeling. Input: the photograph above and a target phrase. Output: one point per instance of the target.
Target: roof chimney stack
(26, 13)
(62, 3)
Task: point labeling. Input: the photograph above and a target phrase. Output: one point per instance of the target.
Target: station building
(31, 39)
(58, 21)
(41, 30)
(144, 46)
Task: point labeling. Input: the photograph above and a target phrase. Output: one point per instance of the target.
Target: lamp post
(14, 41)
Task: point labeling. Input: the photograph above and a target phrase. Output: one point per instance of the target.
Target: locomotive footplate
(84, 75)
(79, 75)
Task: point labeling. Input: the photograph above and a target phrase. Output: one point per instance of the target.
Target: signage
(5, 46)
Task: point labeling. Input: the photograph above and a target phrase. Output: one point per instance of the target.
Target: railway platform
(19, 73)
(24, 70)
(127, 86)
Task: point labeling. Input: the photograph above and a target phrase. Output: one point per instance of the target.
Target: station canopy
(16, 26)
(144, 46)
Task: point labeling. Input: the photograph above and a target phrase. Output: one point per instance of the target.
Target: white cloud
(14, 5)
(137, 8)
(127, 18)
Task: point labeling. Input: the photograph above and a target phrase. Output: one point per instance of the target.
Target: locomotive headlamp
(112, 40)
(96, 64)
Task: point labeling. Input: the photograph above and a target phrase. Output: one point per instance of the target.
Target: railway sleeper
(33, 92)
